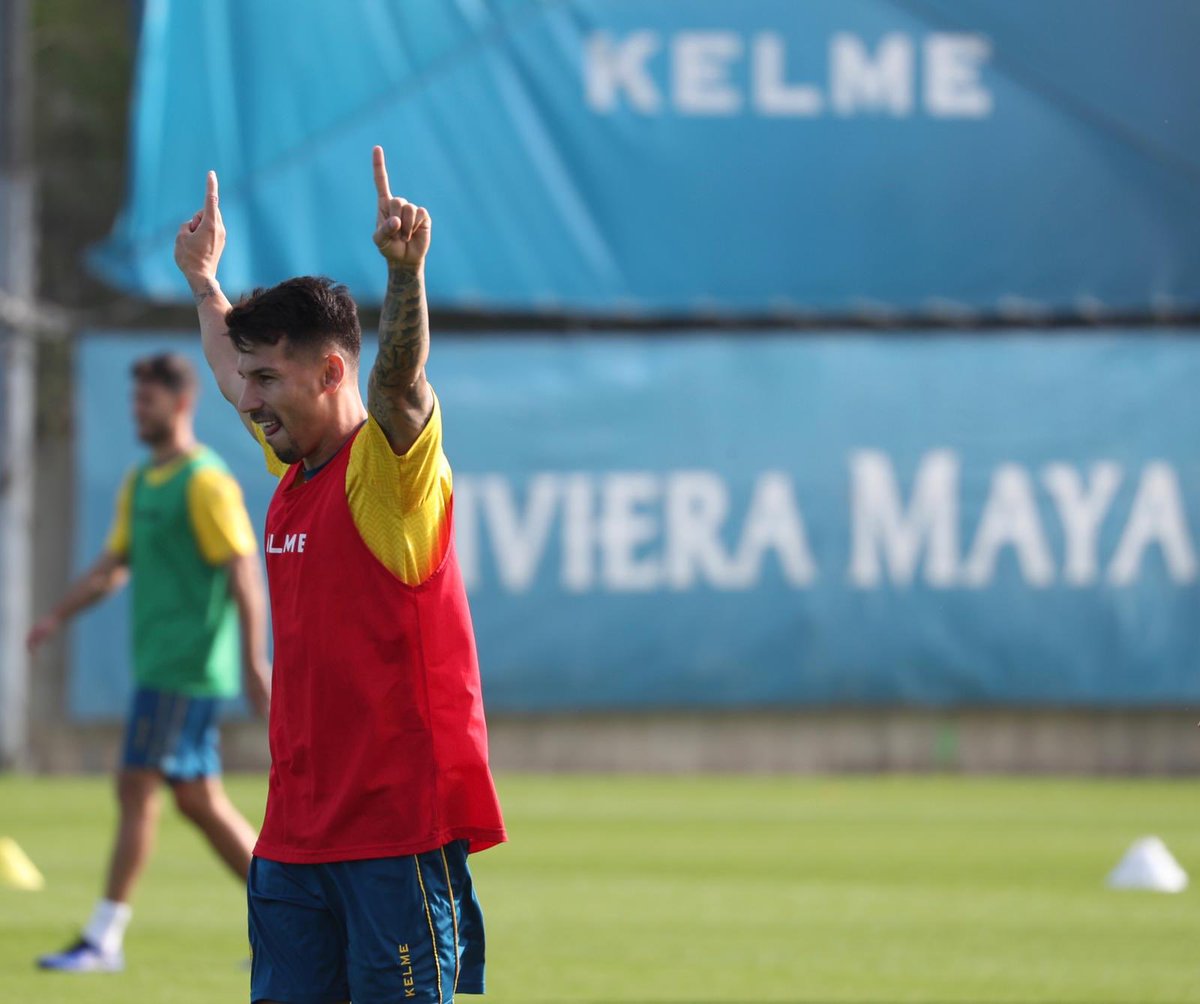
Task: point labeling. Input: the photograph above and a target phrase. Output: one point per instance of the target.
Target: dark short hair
(170, 369)
(310, 311)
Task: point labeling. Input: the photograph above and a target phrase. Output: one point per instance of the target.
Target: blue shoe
(83, 957)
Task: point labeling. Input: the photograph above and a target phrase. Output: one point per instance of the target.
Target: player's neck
(349, 413)
(182, 441)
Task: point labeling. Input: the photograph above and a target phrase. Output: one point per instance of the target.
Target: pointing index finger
(210, 192)
(381, 177)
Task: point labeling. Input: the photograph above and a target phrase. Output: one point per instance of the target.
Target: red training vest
(378, 741)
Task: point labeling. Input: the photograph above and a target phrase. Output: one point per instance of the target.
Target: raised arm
(198, 247)
(398, 395)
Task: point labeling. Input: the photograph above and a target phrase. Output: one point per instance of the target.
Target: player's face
(155, 412)
(286, 394)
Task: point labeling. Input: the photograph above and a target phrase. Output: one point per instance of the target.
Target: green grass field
(697, 889)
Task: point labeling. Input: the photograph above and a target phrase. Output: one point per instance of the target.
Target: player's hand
(40, 632)
(201, 240)
(402, 230)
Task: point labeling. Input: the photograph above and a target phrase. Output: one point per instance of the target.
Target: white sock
(106, 929)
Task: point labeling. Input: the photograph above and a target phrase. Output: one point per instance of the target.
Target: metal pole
(17, 456)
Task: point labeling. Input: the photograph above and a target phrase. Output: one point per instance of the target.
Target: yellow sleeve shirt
(399, 503)
(216, 511)
(218, 516)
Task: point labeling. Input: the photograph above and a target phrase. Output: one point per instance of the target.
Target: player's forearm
(246, 588)
(398, 394)
(99, 581)
(403, 333)
(211, 307)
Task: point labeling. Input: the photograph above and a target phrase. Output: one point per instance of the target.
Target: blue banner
(741, 521)
(942, 158)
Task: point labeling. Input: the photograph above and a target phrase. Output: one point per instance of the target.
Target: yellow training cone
(16, 870)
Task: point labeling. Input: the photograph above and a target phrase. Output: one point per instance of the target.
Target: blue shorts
(373, 931)
(173, 734)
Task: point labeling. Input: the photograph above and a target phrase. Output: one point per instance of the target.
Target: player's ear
(335, 371)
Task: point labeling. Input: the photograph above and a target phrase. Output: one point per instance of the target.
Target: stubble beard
(154, 436)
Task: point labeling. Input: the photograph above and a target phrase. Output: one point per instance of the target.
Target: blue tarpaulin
(754, 519)
(836, 157)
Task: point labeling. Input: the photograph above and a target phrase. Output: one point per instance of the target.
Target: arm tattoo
(403, 338)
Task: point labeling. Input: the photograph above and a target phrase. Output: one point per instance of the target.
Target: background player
(182, 530)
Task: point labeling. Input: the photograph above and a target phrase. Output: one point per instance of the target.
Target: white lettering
(697, 504)
(293, 543)
(772, 94)
(1010, 518)
(625, 527)
(1157, 517)
(638, 531)
(700, 69)
(773, 523)
(518, 543)
(1082, 509)
(610, 67)
(579, 533)
(881, 532)
(858, 83)
(952, 68)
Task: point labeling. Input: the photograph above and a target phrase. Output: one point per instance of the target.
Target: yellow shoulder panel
(399, 503)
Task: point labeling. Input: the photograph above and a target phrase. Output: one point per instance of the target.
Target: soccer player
(182, 533)
(379, 784)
